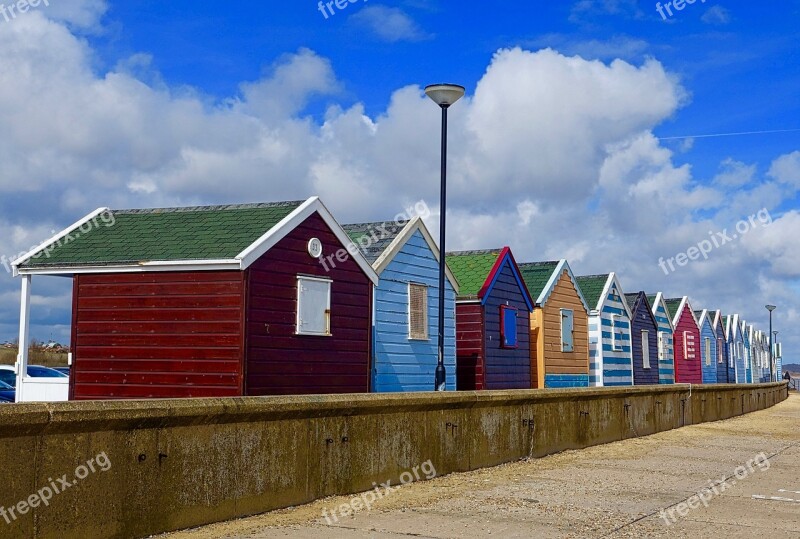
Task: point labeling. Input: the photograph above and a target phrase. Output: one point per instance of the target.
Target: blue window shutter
(508, 326)
(567, 330)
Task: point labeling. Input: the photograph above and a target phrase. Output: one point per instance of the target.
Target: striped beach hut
(736, 347)
(748, 353)
(666, 345)
(610, 362)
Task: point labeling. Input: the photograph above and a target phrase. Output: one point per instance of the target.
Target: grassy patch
(36, 356)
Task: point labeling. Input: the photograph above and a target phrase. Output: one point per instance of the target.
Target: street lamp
(443, 95)
(771, 308)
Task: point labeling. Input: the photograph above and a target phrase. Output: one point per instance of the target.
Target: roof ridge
(541, 263)
(596, 276)
(475, 252)
(219, 207)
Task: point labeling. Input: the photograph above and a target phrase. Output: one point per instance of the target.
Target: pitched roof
(652, 298)
(472, 268)
(229, 237)
(381, 241)
(592, 287)
(631, 299)
(164, 234)
(673, 304)
(374, 238)
(537, 275)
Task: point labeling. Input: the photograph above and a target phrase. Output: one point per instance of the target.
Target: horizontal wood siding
(687, 371)
(469, 346)
(643, 321)
(616, 361)
(506, 368)
(402, 364)
(556, 361)
(666, 365)
(279, 362)
(154, 335)
(726, 372)
(709, 373)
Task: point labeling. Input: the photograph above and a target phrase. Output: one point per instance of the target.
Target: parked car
(7, 393)
(8, 377)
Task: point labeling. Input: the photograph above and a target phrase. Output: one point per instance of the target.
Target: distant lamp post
(443, 95)
(771, 308)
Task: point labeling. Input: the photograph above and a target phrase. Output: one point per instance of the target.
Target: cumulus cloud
(716, 15)
(390, 24)
(551, 154)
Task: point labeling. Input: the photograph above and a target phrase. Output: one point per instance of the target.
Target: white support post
(24, 335)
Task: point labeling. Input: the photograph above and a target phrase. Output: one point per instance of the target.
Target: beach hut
(610, 362)
(559, 326)
(666, 344)
(748, 353)
(688, 368)
(726, 371)
(405, 348)
(644, 340)
(212, 301)
(493, 310)
(763, 356)
(709, 356)
(736, 347)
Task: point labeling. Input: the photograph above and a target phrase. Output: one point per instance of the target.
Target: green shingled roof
(120, 237)
(471, 269)
(672, 306)
(592, 287)
(374, 238)
(536, 275)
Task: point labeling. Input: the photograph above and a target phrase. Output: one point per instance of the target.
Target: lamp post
(443, 95)
(771, 308)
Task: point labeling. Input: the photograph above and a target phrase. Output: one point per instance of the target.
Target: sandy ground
(614, 490)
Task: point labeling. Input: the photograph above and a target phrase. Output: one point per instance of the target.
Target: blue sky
(556, 153)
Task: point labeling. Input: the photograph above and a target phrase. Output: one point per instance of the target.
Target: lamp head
(771, 308)
(444, 95)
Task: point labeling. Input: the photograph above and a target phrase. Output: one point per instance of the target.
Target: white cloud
(735, 173)
(716, 15)
(390, 24)
(786, 169)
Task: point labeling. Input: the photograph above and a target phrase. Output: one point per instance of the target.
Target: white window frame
(645, 349)
(411, 336)
(662, 346)
(298, 331)
(708, 351)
